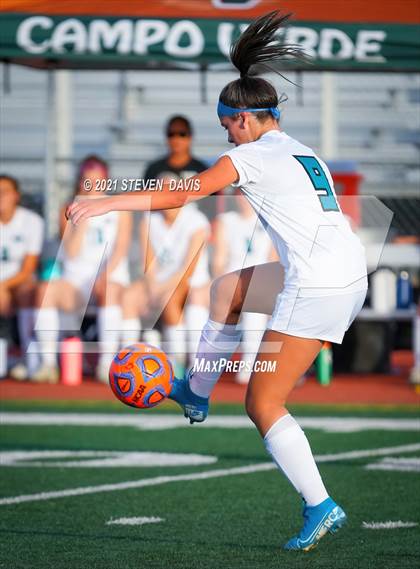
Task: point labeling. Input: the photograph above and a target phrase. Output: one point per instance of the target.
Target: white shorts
(199, 278)
(84, 280)
(324, 318)
(201, 275)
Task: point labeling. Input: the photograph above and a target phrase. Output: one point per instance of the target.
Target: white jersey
(22, 236)
(246, 241)
(170, 243)
(97, 246)
(293, 194)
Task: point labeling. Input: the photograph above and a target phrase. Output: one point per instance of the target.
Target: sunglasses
(181, 133)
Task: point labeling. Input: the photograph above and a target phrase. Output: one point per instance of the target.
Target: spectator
(240, 241)
(21, 236)
(94, 256)
(176, 274)
(179, 161)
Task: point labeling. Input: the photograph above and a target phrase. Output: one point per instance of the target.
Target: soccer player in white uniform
(94, 260)
(21, 238)
(312, 296)
(173, 243)
(240, 241)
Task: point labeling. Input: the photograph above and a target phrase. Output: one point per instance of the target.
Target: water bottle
(404, 290)
(323, 364)
(3, 358)
(71, 361)
(384, 291)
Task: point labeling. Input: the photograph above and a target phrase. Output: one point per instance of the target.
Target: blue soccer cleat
(195, 408)
(319, 520)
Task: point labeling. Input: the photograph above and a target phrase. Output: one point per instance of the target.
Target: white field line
(158, 422)
(100, 459)
(389, 525)
(366, 453)
(396, 464)
(134, 521)
(136, 484)
(219, 473)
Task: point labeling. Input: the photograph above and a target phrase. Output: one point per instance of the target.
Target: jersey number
(320, 182)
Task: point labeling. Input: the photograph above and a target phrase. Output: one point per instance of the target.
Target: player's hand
(83, 209)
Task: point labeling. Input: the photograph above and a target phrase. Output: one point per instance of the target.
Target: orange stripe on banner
(345, 11)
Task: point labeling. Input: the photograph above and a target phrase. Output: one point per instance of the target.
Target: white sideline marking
(159, 480)
(389, 525)
(134, 521)
(396, 465)
(367, 453)
(136, 484)
(100, 459)
(157, 422)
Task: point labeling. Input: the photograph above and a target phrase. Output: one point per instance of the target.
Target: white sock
(25, 318)
(175, 342)
(26, 322)
(195, 317)
(153, 337)
(218, 342)
(109, 332)
(253, 326)
(47, 330)
(290, 450)
(130, 332)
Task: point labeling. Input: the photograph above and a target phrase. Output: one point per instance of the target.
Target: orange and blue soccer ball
(141, 375)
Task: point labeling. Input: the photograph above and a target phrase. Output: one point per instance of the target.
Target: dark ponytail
(258, 47)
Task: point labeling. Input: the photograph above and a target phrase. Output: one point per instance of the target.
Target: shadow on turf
(129, 537)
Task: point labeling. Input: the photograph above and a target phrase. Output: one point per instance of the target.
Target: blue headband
(225, 111)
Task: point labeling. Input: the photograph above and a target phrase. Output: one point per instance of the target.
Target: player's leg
(133, 305)
(196, 314)
(254, 289)
(24, 300)
(5, 301)
(174, 333)
(109, 324)
(5, 312)
(290, 357)
(50, 298)
(253, 326)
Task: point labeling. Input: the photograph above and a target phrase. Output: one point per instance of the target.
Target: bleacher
(378, 122)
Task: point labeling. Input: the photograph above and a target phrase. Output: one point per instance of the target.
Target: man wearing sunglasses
(179, 160)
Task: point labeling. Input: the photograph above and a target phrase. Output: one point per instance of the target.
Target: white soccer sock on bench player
(131, 330)
(47, 330)
(218, 342)
(109, 332)
(290, 450)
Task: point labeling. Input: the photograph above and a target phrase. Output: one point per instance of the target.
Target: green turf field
(56, 508)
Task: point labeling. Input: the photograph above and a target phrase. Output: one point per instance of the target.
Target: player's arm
(27, 270)
(220, 253)
(71, 236)
(212, 180)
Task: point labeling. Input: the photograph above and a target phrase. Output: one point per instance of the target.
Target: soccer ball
(141, 375)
